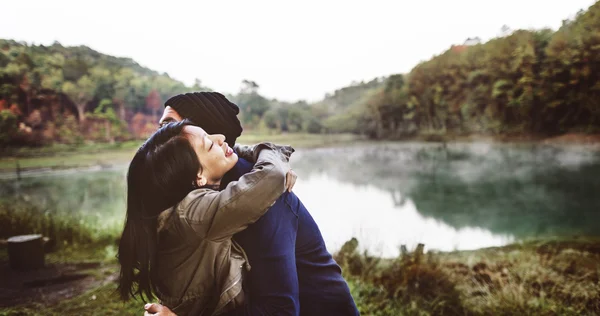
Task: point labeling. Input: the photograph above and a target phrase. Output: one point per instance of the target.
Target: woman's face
(214, 154)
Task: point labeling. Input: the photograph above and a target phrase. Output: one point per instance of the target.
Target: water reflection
(459, 196)
(380, 222)
(90, 198)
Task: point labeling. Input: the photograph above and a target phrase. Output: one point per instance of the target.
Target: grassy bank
(546, 277)
(101, 301)
(549, 277)
(18, 217)
(68, 156)
(98, 291)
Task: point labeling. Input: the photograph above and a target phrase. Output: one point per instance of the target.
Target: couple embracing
(213, 227)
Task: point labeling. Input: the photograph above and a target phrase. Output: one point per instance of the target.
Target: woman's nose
(219, 138)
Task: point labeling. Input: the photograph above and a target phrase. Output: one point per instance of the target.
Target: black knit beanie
(211, 111)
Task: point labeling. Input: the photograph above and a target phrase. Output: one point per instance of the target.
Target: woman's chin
(233, 158)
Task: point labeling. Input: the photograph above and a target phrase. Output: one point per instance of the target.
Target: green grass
(18, 217)
(68, 156)
(99, 301)
(57, 149)
(61, 161)
(543, 277)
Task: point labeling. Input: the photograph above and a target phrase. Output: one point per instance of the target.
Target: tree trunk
(121, 111)
(81, 112)
(26, 252)
(120, 108)
(429, 117)
(27, 102)
(107, 128)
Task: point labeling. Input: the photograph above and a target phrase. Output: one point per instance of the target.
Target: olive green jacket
(200, 268)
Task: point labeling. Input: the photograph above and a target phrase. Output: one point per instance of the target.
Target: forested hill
(47, 92)
(72, 94)
(525, 82)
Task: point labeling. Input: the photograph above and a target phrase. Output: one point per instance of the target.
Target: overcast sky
(293, 51)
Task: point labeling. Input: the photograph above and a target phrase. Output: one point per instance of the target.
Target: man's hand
(157, 310)
(290, 180)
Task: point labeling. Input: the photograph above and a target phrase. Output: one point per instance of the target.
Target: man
(291, 270)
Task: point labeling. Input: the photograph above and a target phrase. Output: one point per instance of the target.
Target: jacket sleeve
(250, 153)
(241, 203)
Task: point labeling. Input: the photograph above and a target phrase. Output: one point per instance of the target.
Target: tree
(154, 103)
(249, 87)
(295, 118)
(198, 86)
(8, 126)
(104, 82)
(124, 90)
(52, 79)
(74, 69)
(252, 105)
(104, 112)
(80, 92)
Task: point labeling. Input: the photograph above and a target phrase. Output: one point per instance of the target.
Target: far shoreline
(562, 139)
(105, 156)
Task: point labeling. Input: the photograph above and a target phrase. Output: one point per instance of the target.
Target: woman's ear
(201, 180)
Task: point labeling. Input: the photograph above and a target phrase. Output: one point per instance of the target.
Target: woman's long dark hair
(160, 175)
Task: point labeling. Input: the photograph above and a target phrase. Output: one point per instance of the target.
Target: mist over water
(455, 196)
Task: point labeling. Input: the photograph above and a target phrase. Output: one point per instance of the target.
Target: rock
(26, 252)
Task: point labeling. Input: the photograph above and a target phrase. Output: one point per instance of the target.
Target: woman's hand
(290, 180)
(157, 310)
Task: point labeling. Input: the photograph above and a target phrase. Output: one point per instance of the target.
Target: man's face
(169, 115)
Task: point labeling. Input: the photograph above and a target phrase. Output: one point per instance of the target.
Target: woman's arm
(242, 202)
(247, 153)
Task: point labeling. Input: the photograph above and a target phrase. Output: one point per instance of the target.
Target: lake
(458, 196)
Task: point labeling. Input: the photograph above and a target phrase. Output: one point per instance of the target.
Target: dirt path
(52, 284)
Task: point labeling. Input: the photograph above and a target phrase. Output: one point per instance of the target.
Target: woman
(175, 211)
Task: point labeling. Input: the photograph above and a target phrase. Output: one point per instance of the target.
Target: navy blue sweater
(321, 288)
